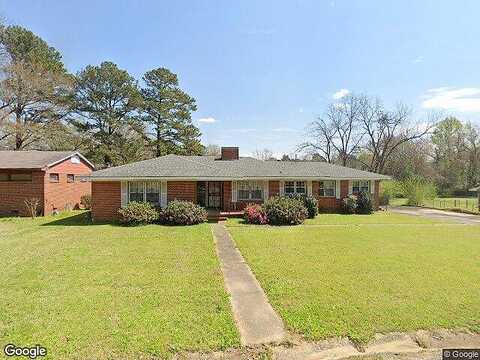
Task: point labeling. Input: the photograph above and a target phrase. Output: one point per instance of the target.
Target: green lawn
(349, 280)
(106, 291)
(469, 204)
(377, 218)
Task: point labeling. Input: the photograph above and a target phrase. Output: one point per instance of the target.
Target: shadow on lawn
(83, 219)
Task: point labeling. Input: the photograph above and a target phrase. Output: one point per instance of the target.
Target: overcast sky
(262, 70)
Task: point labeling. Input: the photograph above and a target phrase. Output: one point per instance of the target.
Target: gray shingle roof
(206, 167)
(33, 159)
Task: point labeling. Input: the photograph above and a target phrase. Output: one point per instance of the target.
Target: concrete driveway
(437, 214)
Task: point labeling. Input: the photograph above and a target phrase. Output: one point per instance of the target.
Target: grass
(469, 204)
(106, 291)
(377, 218)
(355, 281)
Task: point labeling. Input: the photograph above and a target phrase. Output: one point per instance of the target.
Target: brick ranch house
(52, 177)
(227, 183)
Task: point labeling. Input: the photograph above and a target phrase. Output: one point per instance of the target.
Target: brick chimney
(229, 153)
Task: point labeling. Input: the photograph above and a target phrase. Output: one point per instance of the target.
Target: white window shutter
(265, 190)
(234, 191)
(282, 188)
(309, 188)
(163, 194)
(350, 187)
(372, 187)
(337, 188)
(124, 194)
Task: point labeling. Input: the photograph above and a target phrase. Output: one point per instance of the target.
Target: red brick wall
(14, 193)
(326, 203)
(230, 153)
(106, 200)
(273, 188)
(343, 188)
(63, 194)
(227, 196)
(182, 190)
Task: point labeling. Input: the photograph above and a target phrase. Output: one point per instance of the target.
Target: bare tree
(212, 150)
(264, 154)
(359, 129)
(323, 134)
(336, 136)
(385, 130)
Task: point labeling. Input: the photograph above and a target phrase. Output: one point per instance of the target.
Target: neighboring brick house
(56, 178)
(227, 183)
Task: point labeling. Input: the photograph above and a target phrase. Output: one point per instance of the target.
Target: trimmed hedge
(285, 210)
(138, 213)
(255, 214)
(180, 212)
(310, 203)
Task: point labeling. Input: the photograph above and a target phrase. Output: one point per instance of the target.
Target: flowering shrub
(285, 210)
(310, 203)
(254, 214)
(138, 213)
(350, 204)
(180, 212)
(364, 203)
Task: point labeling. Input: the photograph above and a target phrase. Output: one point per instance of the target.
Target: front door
(214, 194)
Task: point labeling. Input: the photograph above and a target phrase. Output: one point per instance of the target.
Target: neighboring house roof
(207, 167)
(34, 159)
(475, 189)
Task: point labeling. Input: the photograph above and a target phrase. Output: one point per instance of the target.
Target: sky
(261, 71)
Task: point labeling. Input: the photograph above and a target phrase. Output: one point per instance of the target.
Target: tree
(449, 154)
(212, 150)
(167, 112)
(385, 131)
(264, 154)
(106, 102)
(358, 131)
(336, 135)
(33, 88)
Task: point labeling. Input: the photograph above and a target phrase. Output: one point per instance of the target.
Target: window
(295, 187)
(327, 188)
(135, 191)
(75, 159)
(4, 177)
(250, 190)
(54, 178)
(152, 192)
(300, 187)
(20, 177)
(70, 178)
(360, 185)
(289, 187)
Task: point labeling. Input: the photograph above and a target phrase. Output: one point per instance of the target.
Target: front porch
(218, 215)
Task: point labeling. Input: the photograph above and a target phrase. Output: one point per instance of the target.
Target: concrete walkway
(257, 322)
(437, 214)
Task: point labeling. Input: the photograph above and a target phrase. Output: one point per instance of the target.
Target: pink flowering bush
(254, 214)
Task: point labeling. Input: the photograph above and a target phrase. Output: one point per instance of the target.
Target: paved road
(437, 214)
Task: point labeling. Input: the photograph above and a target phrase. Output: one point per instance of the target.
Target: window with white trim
(144, 191)
(250, 190)
(360, 185)
(295, 187)
(135, 191)
(327, 188)
(152, 192)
